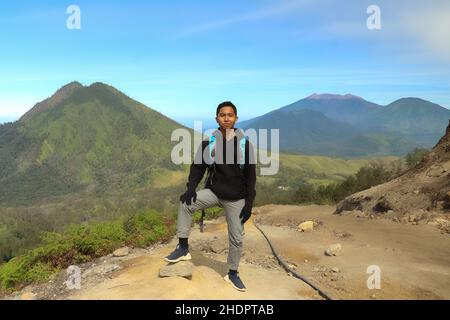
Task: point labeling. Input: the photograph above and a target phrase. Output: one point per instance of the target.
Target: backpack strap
(242, 145)
(212, 145)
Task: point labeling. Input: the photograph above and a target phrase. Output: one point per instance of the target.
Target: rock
(306, 226)
(180, 269)
(217, 246)
(26, 296)
(383, 205)
(442, 224)
(435, 171)
(334, 250)
(122, 252)
(100, 270)
(335, 270)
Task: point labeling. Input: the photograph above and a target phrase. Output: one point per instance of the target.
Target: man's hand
(190, 196)
(246, 212)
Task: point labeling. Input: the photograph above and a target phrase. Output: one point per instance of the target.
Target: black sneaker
(235, 281)
(178, 254)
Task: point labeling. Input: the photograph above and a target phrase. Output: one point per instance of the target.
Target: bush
(415, 156)
(210, 213)
(146, 228)
(82, 243)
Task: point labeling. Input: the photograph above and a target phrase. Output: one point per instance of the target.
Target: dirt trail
(139, 277)
(414, 261)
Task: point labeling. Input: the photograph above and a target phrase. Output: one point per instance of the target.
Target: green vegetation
(289, 190)
(415, 156)
(211, 213)
(96, 139)
(82, 243)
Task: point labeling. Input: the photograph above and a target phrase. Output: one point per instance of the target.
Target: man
(230, 184)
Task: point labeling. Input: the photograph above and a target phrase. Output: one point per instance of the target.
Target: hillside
(91, 139)
(415, 119)
(349, 126)
(420, 192)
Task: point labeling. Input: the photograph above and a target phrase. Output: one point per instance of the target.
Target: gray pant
(207, 199)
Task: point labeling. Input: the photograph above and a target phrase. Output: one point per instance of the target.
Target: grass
(329, 166)
(211, 213)
(83, 243)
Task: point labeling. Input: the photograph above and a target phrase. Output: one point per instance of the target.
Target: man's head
(226, 115)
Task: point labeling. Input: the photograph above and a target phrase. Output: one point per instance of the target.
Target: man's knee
(236, 241)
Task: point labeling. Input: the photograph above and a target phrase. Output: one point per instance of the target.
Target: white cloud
(281, 8)
(420, 29)
(430, 25)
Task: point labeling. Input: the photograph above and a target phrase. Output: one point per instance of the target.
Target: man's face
(226, 118)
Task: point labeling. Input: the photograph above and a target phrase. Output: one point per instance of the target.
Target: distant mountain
(311, 132)
(83, 138)
(416, 119)
(346, 108)
(351, 126)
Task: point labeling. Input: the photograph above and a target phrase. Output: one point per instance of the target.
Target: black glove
(246, 212)
(188, 196)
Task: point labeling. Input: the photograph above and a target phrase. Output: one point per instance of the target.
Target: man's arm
(197, 170)
(250, 182)
(250, 174)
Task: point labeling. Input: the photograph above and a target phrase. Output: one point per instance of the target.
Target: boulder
(179, 269)
(306, 226)
(121, 252)
(334, 250)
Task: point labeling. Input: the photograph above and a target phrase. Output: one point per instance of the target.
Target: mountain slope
(345, 108)
(91, 138)
(354, 126)
(421, 190)
(414, 118)
(311, 132)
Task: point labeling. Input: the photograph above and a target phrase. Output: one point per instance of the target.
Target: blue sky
(182, 57)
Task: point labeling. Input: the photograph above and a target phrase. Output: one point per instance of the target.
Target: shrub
(82, 243)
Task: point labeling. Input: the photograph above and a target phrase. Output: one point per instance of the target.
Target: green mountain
(345, 108)
(415, 119)
(83, 139)
(350, 126)
(310, 132)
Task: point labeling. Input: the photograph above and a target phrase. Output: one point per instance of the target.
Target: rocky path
(413, 260)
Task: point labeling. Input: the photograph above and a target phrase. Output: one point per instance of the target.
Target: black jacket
(227, 180)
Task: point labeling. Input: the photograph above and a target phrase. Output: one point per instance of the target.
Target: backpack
(212, 167)
(212, 144)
